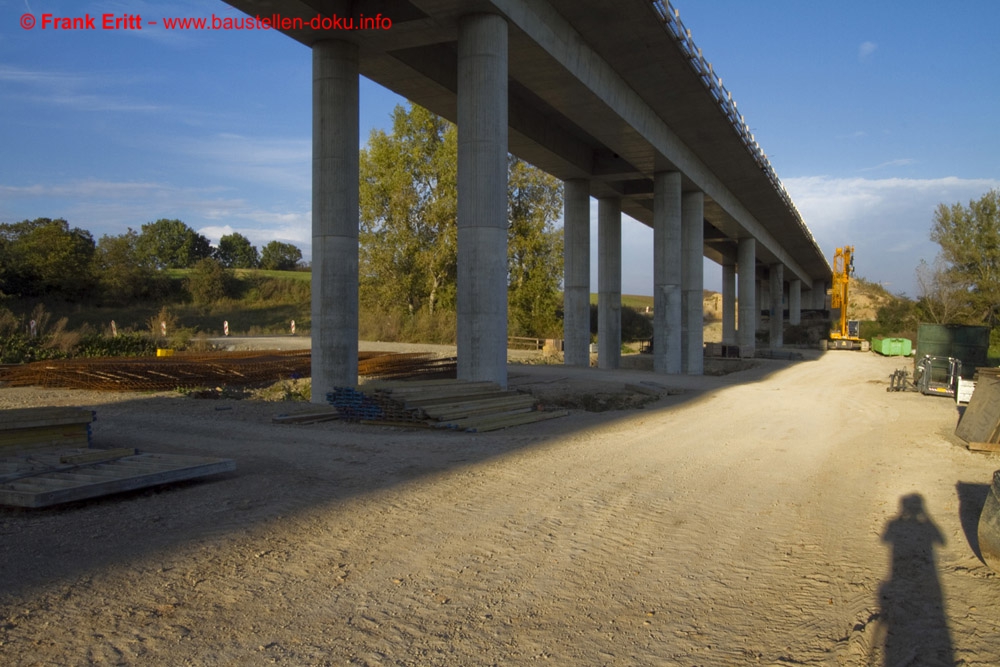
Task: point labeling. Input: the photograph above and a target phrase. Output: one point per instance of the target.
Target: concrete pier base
(482, 198)
(576, 272)
(609, 283)
(693, 287)
(334, 218)
(667, 238)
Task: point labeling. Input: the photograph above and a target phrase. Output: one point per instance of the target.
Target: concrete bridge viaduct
(612, 97)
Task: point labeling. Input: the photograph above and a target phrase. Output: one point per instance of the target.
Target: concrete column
(777, 283)
(728, 302)
(609, 282)
(693, 286)
(482, 198)
(334, 218)
(819, 294)
(759, 296)
(667, 314)
(576, 267)
(747, 287)
(795, 301)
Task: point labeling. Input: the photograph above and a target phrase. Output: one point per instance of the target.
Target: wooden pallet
(43, 478)
(980, 425)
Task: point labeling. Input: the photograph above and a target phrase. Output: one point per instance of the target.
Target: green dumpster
(893, 347)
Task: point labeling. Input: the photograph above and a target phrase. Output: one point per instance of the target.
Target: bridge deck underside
(565, 127)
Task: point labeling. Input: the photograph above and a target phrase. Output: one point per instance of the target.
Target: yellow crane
(848, 337)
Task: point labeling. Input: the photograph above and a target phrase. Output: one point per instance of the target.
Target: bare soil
(794, 513)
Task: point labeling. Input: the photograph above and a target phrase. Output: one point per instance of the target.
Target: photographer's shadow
(913, 615)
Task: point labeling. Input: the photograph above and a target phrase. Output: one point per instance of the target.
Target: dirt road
(792, 514)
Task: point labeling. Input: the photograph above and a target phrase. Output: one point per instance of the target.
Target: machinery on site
(848, 334)
(932, 376)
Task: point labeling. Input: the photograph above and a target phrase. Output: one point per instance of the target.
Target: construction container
(969, 344)
(893, 347)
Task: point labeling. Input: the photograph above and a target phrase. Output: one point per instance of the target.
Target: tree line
(47, 257)
(408, 243)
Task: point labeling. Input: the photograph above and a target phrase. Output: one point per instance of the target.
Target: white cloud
(887, 220)
(901, 162)
(278, 162)
(64, 89)
(866, 50)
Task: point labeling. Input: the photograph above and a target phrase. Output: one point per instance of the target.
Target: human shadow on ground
(916, 627)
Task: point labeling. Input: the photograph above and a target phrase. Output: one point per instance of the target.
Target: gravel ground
(786, 514)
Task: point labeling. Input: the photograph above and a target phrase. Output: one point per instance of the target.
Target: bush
(636, 325)
(209, 282)
(126, 344)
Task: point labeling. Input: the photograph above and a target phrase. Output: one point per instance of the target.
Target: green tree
(209, 282)
(408, 206)
(123, 273)
(534, 250)
(45, 256)
(171, 244)
(970, 247)
(408, 202)
(236, 252)
(279, 256)
(939, 300)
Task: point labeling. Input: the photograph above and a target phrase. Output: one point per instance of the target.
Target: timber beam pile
(452, 404)
(33, 429)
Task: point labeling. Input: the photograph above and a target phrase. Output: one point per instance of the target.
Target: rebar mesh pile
(187, 371)
(381, 366)
(183, 371)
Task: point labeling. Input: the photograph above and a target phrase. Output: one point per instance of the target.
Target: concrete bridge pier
(334, 217)
(795, 302)
(747, 288)
(777, 285)
(667, 313)
(729, 302)
(609, 282)
(576, 272)
(693, 286)
(482, 198)
(819, 294)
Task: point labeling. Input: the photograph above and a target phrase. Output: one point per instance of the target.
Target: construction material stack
(452, 404)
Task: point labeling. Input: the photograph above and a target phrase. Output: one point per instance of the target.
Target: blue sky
(871, 113)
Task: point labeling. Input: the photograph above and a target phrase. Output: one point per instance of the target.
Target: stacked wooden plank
(353, 404)
(31, 429)
(46, 457)
(461, 405)
(52, 477)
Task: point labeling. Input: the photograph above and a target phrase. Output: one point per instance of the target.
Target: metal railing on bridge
(713, 83)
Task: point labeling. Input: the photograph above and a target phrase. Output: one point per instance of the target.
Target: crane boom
(848, 335)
